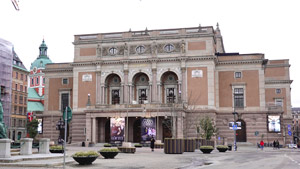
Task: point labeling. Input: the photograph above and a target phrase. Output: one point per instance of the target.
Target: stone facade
(180, 73)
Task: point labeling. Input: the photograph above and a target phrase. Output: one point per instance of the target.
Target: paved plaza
(244, 158)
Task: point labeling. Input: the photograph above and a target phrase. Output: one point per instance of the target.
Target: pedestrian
(152, 143)
(277, 144)
(274, 144)
(262, 145)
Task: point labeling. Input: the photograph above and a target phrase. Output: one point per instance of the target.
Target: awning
(35, 106)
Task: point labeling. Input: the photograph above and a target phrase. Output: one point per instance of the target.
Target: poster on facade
(148, 128)
(40, 126)
(274, 123)
(117, 128)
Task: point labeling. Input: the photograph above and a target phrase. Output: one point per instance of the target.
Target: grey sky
(248, 26)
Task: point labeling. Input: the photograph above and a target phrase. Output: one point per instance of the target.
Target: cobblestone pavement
(244, 158)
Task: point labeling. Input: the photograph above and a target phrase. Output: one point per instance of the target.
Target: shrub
(138, 145)
(206, 147)
(222, 146)
(109, 150)
(56, 147)
(107, 145)
(86, 154)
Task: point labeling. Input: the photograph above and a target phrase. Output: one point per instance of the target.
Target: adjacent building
(6, 60)
(18, 119)
(296, 124)
(126, 86)
(36, 82)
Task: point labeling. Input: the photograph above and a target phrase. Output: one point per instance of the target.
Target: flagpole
(65, 139)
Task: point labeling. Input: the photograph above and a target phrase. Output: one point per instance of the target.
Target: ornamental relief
(161, 71)
(104, 75)
(133, 72)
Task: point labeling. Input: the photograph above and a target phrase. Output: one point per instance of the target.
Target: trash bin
(229, 147)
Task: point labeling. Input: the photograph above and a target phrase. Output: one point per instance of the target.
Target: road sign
(237, 125)
(256, 133)
(290, 133)
(289, 127)
(219, 138)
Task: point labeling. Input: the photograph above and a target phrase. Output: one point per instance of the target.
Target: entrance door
(107, 131)
(241, 135)
(167, 131)
(137, 131)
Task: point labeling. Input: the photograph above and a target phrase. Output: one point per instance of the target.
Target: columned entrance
(241, 135)
(137, 130)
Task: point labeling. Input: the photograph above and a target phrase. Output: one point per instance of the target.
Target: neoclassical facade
(177, 77)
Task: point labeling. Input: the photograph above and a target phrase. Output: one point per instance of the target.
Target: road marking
(291, 159)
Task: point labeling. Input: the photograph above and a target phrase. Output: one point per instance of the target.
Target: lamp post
(234, 129)
(60, 126)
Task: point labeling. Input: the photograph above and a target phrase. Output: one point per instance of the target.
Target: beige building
(183, 73)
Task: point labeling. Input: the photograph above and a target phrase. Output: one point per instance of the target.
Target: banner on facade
(274, 123)
(117, 127)
(40, 126)
(148, 128)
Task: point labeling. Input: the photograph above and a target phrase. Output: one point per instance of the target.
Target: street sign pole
(65, 139)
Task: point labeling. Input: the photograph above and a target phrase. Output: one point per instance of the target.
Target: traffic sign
(290, 133)
(289, 127)
(256, 133)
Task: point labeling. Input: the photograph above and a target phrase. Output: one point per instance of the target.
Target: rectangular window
(20, 110)
(170, 95)
(142, 95)
(16, 98)
(17, 75)
(14, 124)
(22, 76)
(25, 110)
(20, 99)
(115, 99)
(25, 89)
(279, 102)
(16, 86)
(64, 101)
(32, 81)
(44, 79)
(239, 97)
(25, 100)
(65, 81)
(21, 88)
(278, 91)
(15, 109)
(238, 74)
(37, 80)
(25, 78)
(20, 123)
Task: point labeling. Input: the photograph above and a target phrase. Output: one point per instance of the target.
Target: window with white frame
(238, 97)
(65, 81)
(279, 102)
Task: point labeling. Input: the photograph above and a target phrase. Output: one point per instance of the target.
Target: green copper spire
(43, 50)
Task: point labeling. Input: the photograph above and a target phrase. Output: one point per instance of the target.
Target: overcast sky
(248, 26)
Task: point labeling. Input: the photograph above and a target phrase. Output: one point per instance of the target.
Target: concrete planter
(85, 160)
(189, 145)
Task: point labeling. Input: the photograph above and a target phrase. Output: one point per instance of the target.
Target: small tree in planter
(222, 148)
(206, 129)
(109, 152)
(206, 149)
(138, 145)
(85, 158)
(32, 128)
(107, 145)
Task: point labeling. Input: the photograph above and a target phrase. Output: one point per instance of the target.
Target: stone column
(159, 93)
(44, 146)
(5, 148)
(154, 87)
(126, 91)
(102, 94)
(130, 93)
(26, 146)
(183, 92)
(88, 124)
(150, 92)
(98, 88)
(94, 129)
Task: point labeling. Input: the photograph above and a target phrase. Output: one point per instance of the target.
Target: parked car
(292, 146)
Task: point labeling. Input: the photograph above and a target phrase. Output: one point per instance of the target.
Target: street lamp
(60, 125)
(234, 128)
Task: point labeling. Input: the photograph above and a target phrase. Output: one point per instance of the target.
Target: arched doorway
(170, 90)
(241, 135)
(137, 131)
(107, 131)
(113, 93)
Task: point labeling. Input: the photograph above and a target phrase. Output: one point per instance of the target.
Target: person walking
(152, 143)
(262, 145)
(277, 144)
(274, 144)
